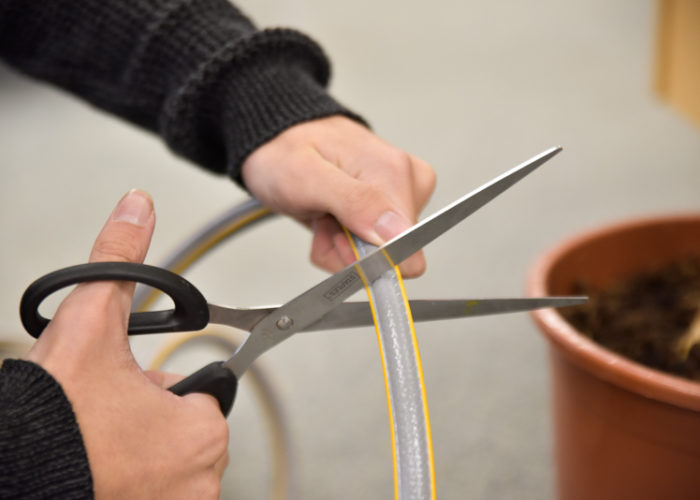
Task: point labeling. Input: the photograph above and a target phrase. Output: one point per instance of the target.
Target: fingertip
(414, 266)
(127, 233)
(135, 207)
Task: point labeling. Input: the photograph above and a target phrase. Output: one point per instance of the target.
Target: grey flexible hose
(406, 395)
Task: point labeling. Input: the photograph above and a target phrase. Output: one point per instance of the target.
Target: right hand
(142, 441)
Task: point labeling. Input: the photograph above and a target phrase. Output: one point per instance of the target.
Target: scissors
(321, 307)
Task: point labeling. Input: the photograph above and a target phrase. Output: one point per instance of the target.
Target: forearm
(198, 72)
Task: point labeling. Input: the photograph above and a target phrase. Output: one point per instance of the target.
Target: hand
(334, 171)
(142, 441)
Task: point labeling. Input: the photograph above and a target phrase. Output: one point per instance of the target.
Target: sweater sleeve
(42, 454)
(197, 72)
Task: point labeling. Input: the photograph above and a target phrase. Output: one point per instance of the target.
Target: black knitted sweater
(196, 72)
(41, 449)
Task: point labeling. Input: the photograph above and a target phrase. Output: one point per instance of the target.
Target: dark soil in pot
(646, 316)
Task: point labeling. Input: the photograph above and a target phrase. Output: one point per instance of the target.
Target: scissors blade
(316, 302)
(355, 314)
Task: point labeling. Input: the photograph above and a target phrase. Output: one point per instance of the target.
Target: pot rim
(593, 357)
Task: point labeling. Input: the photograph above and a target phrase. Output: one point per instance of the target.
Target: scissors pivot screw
(284, 323)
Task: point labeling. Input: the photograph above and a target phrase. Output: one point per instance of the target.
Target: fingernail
(390, 224)
(135, 208)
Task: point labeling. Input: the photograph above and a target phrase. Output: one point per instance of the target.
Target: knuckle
(116, 248)
(400, 162)
(422, 169)
(429, 178)
(424, 179)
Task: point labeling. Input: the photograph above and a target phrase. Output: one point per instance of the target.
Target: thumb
(363, 209)
(369, 214)
(125, 237)
(127, 233)
(93, 317)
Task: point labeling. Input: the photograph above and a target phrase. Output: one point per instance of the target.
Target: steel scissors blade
(357, 314)
(322, 306)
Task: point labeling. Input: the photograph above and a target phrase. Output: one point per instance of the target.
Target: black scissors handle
(191, 310)
(214, 379)
(191, 313)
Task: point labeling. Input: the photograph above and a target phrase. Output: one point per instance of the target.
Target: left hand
(334, 171)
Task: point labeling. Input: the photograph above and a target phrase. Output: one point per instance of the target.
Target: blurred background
(473, 88)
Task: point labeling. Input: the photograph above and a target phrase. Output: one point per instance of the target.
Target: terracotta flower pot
(622, 430)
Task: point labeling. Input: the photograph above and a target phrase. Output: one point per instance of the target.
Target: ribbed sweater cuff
(42, 454)
(246, 96)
